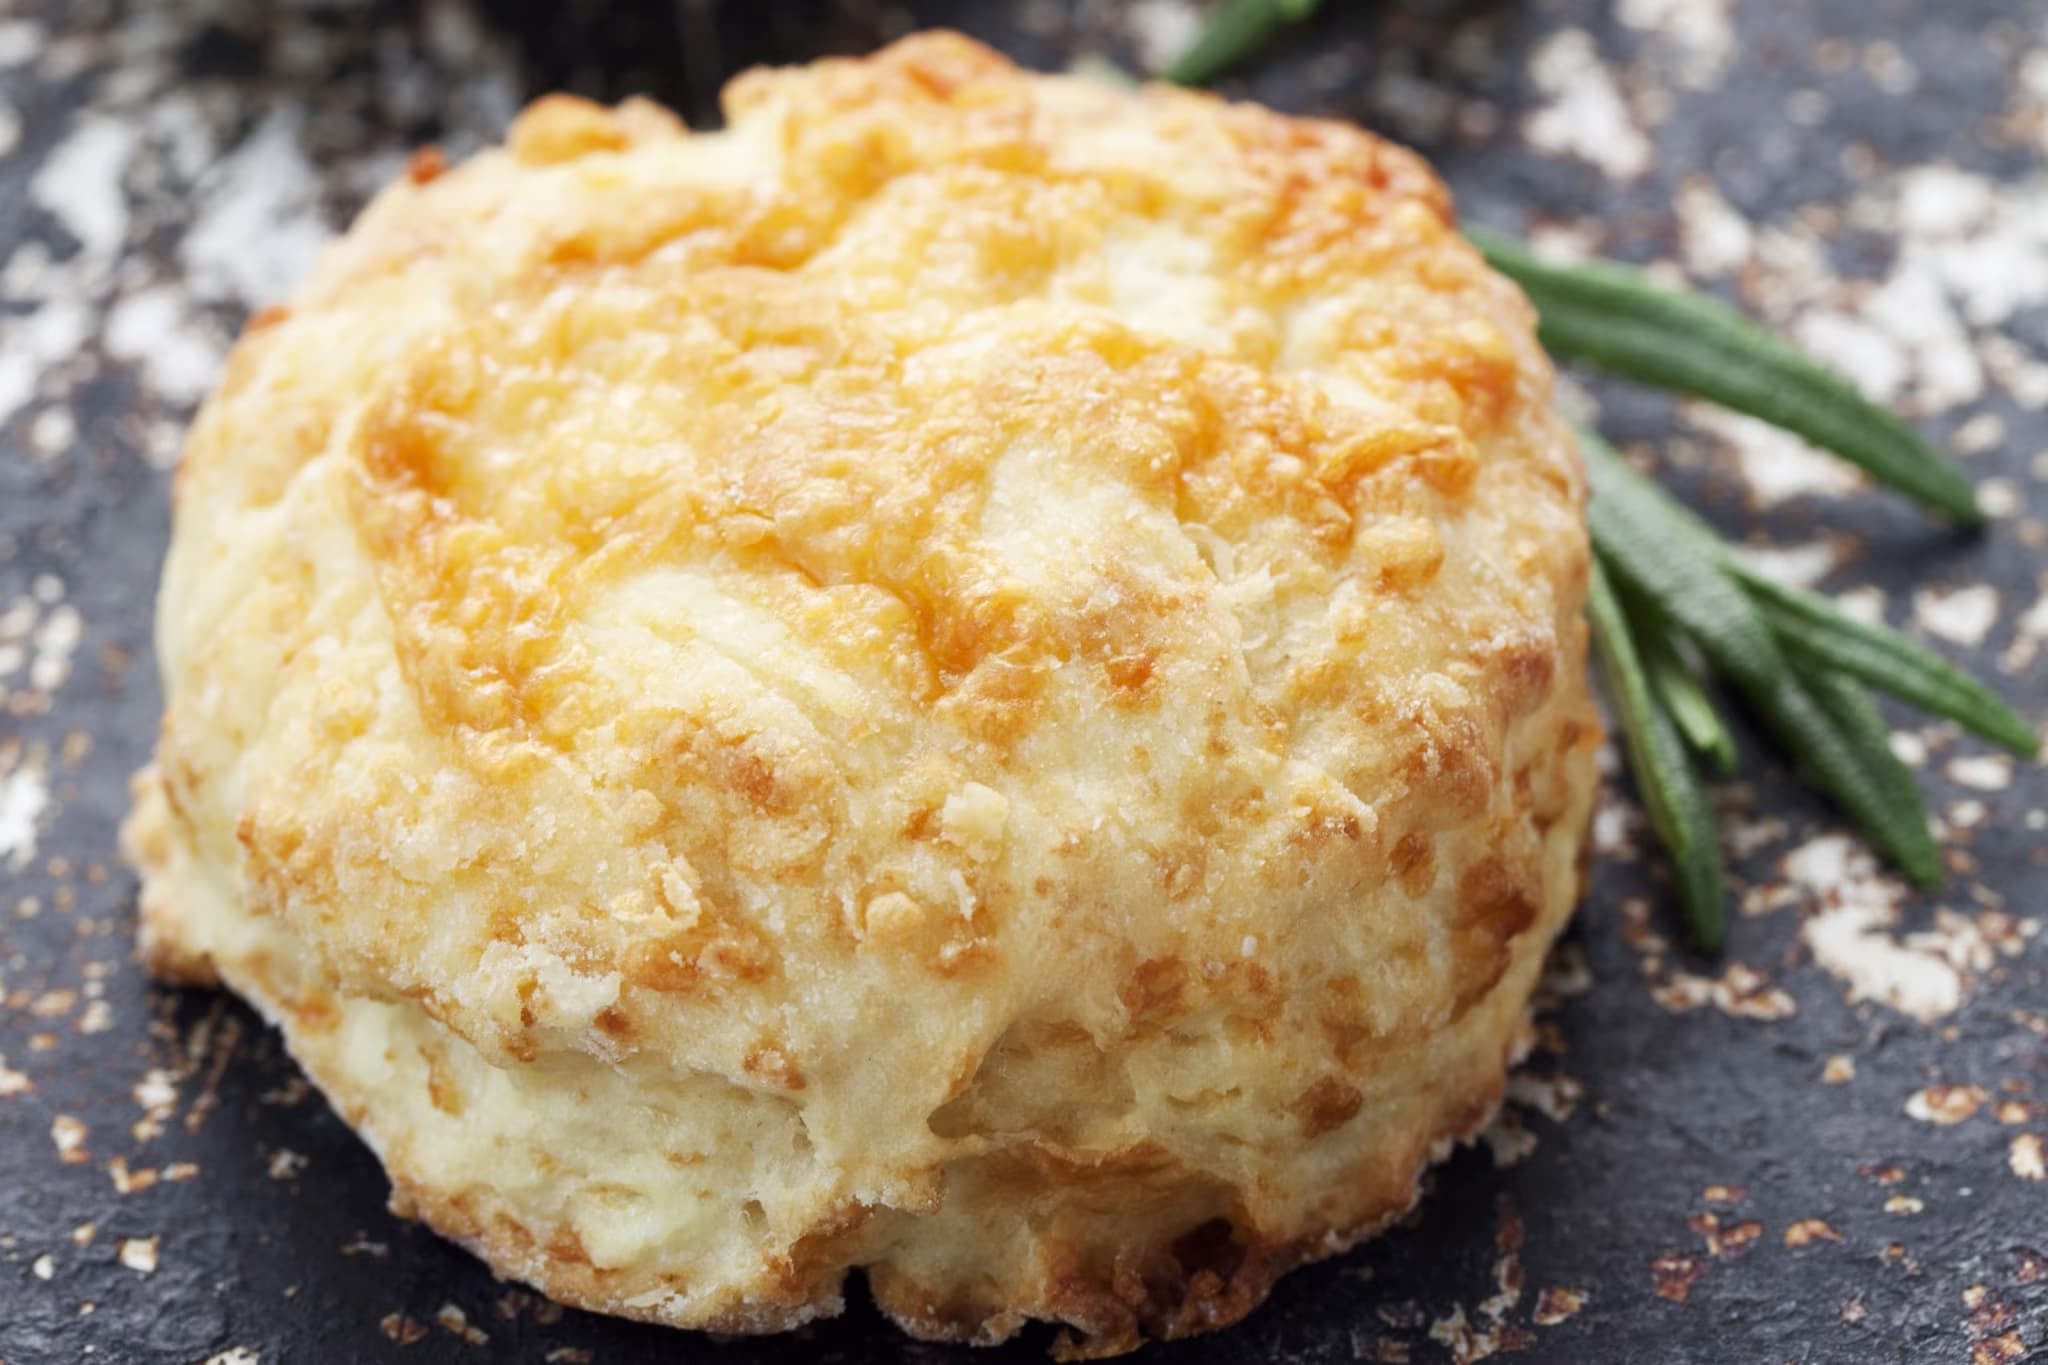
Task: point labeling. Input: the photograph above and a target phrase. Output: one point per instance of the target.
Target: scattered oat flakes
(1468, 1345)
(1807, 1231)
(453, 1319)
(2004, 1349)
(1555, 1097)
(1726, 1240)
(69, 1135)
(83, 1234)
(1840, 1069)
(1508, 1138)
(402, 1329)
(127, 1181)
(235, 1355)
(139, 1254)
(2027, 1157)
(285, 1164)
(1946, 1104)
(1508, 1277)
(45, 1266)
(1904, 1203)
(53, 1004)
(1741, 991)
(1556, 1304)
(1675, 1273)
(568, 1355)
(290, 1093)
(1725, 1194)
(1507, 1274)
(13, 1082)
(180, 1170)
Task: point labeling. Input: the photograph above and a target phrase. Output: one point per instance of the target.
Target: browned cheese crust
(979, 676)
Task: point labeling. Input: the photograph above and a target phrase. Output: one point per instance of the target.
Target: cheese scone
(978, 677)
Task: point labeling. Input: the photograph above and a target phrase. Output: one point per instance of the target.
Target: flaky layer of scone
(977, 676)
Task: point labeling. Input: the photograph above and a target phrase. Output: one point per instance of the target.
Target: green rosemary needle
(1896, 817)
(1670, 787)
(1815, 629)
(1612, 318)
(1684, 697)
(1653, 551)
(1846, 747)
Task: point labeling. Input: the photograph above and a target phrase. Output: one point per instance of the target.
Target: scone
(978, 677)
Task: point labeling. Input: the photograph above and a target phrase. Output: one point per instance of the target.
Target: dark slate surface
(1825, 1147)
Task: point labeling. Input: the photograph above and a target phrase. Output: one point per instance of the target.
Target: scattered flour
(1925, 974)
(24, 795)
(1962, 615)
(1586, 116)
(260, 228)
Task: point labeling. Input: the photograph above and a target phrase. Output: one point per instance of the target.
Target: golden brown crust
(975, 651)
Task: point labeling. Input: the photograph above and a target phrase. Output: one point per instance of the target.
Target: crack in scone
(976, 676)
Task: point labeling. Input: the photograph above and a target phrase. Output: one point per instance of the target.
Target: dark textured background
(1741, 1160)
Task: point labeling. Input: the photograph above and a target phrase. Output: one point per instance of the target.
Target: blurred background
(1825, 1146)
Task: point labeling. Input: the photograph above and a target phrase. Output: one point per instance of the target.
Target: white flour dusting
(24, 796)
(1963, 615)
(1926, 974)
(1586, 116)
(79, 185)
(260, 228)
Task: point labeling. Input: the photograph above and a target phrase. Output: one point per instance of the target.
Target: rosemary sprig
(1612, 318)
(1237, 29)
